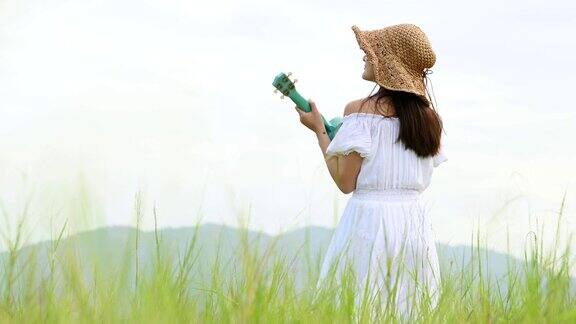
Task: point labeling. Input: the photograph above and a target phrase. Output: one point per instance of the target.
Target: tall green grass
(260, 285)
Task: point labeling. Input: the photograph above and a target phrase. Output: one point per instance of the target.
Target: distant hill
(302, 249)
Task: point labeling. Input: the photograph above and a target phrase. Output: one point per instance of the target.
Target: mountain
(302, 249)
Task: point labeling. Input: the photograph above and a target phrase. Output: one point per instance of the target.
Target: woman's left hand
(313, 119)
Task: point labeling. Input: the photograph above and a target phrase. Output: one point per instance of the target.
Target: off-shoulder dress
(385, 233)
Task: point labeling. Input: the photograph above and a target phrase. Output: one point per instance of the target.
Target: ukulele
(283, 84)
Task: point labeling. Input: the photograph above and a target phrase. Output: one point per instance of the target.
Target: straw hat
(400, 55)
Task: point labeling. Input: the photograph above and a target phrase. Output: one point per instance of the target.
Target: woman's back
(387, 164)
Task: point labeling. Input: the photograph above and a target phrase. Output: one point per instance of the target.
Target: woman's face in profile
(368, 71)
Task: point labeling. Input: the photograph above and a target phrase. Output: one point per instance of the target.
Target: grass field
(260, 285)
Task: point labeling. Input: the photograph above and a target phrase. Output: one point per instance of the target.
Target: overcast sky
(102, 99)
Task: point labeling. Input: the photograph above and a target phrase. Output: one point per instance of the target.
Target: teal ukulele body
(283, 84)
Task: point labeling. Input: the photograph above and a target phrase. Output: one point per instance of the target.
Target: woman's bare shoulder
(367, 106)
(353, 107)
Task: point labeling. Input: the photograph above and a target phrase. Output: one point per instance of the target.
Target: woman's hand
(313, 119)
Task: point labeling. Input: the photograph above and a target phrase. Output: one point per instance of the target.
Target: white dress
(385, 215)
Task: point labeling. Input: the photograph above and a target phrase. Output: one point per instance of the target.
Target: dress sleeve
(439, 158)
(353, 135)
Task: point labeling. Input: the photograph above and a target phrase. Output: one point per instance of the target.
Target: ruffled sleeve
(353, 135)
(439, 158)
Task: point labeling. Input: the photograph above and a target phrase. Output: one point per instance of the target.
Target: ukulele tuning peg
(295, 80)
(275, 90)
(289, 74)
(282, 97)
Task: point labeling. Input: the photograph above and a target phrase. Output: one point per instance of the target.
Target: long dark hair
(420, 125)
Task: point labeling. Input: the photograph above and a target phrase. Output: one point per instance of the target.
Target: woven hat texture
(400, 55)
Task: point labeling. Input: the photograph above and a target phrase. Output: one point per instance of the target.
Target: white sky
(174, 98)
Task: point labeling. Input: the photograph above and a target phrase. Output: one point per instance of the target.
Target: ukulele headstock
(283, 84)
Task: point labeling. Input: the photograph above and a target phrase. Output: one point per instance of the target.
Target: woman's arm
(344, 169)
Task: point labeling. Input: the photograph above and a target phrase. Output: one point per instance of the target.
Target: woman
(385, 156)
